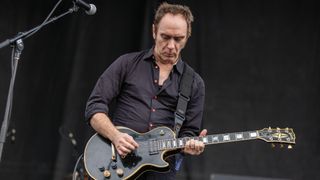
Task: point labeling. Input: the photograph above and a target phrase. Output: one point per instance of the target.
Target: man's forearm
(123, 142)
(103, 125)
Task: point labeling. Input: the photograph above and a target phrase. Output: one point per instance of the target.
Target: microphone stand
(17, 45)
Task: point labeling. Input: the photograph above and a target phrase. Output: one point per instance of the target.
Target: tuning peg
(272, 145)
(290, 147)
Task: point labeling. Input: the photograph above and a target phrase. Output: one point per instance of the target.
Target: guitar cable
(75, 173)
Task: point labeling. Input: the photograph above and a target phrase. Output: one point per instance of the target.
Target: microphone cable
(47, 18)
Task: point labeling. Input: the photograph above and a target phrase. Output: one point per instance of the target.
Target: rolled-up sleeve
(107, 87)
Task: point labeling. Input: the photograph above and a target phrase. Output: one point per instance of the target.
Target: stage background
(259, 59)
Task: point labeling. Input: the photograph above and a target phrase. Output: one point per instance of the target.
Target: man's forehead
(173, 25)
(173, 20)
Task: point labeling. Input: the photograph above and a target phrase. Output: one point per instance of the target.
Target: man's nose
(171, 44)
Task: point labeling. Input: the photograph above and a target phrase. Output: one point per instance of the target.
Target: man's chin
(168, 60)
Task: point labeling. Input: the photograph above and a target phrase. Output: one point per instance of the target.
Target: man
(146, 85)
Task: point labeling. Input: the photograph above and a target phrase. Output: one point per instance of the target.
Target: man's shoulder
(134, 55)
(198, 81)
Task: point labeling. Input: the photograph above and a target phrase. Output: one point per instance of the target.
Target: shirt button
(155, 97)
(150, 126)
(155, 81)
(156, 67)
(153, 110)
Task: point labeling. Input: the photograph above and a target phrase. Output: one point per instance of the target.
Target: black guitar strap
(184, 97)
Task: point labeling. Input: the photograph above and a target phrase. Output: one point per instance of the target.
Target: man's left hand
(195, 147)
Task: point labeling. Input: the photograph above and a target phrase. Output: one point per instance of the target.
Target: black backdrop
(259, 59)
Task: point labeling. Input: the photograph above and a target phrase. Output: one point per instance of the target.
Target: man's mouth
(169, 54)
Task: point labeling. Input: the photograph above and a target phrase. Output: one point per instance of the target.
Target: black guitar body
(98, 155)
(156, 145)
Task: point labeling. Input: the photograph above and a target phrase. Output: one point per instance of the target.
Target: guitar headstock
(278, 135)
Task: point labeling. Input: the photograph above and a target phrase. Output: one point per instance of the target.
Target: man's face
(170, 38)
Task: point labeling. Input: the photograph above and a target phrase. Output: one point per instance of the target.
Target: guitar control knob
(106, 173)
(114, 165)
(101, 169)
(119, 172)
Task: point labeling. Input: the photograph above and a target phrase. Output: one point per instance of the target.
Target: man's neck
(164, 67)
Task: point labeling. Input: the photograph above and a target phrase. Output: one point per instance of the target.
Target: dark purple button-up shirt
(141, 104)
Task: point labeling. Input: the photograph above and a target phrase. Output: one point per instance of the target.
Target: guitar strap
(184, 97)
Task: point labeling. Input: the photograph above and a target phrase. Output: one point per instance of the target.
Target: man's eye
(177, 39)
(165, 37)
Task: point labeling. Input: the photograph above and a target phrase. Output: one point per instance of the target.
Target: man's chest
(150, 83)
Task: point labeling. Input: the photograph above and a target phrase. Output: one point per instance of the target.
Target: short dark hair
(174, 9)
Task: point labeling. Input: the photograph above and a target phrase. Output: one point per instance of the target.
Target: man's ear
(153, 31)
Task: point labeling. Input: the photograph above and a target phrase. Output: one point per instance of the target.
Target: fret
(150, 145)
(158, 145)
(163, 144)
(215, 139)
(174, 143)
(232, 136)
(253, 134)
(169, 144)
(205, 140)
(154, 147)
(185, 140)
(180, 143)
(239, 136)
(250, 135)
(226, 138)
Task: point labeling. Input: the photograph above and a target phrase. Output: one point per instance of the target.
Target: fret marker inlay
(253, 134)
(239, 136)
(226, 137)
(174, 143)
(215, 138)
(180, 142)
(205, 140)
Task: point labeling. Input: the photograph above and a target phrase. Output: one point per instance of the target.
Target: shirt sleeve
(194, 113)
(107, 87)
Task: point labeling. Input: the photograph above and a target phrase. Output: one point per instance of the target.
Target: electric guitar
(102, 161)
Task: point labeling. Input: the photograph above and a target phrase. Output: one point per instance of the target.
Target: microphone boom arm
(17, 45)
(24, 35)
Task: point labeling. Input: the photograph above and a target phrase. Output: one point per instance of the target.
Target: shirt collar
(178, 66)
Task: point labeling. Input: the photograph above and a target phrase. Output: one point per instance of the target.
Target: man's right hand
(124, 143)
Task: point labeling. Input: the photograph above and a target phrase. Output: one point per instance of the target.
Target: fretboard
(168, 144)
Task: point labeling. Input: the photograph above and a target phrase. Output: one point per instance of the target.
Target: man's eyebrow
(178, 36)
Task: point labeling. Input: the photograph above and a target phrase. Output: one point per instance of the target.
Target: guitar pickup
(153, 147)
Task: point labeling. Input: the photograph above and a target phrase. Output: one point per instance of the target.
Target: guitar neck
(169, 144)
(229, 137)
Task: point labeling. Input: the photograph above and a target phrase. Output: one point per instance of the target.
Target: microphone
(91, 9)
